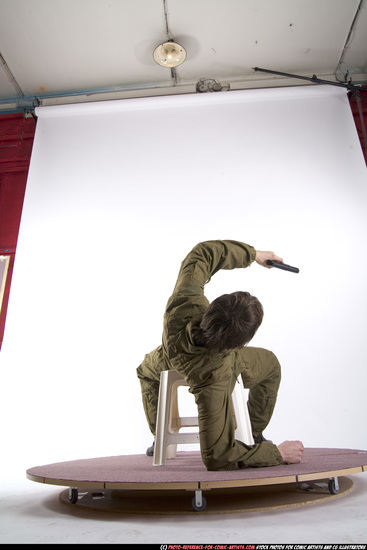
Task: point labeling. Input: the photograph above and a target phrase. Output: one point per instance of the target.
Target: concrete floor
(31, 513)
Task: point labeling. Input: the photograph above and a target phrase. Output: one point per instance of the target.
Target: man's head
(229, 322)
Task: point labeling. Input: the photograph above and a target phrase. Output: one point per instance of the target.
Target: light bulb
(169, 54)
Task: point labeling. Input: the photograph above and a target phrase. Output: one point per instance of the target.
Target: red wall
(359, 106)
(16, 140)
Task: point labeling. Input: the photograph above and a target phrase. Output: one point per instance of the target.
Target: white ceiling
(63, 51)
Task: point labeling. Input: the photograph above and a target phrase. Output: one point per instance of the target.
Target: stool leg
(169, 422)
(163, 410)
(167, 409)
(243, 430)
(173, 421)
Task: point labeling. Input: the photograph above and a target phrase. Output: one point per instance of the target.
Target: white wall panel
(118, 193)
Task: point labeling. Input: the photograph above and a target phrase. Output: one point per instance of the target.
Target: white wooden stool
(169, 421)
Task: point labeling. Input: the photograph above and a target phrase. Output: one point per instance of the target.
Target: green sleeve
(208, 257)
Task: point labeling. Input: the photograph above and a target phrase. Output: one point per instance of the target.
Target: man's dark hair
(229, 322)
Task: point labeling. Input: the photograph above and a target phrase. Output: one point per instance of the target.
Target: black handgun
(280, 265)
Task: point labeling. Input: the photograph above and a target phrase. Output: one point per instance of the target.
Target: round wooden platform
(131, 484)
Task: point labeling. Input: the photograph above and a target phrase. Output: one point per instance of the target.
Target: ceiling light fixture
(169, 54)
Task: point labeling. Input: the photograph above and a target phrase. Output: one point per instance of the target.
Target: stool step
(188, 421)
(182, 438)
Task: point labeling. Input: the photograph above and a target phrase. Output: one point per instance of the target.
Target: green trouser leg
(261, 373)
(149, 373)
(219, 448)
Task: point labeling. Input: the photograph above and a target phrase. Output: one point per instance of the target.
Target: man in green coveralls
(206, 343)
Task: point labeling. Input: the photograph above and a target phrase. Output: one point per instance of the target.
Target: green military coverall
(212, 377)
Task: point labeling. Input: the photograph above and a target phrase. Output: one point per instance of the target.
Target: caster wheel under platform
(215, 501)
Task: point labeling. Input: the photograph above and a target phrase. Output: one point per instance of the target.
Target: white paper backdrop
(117, 194)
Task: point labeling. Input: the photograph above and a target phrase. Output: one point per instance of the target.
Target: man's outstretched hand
(262, 257)
(291, 451)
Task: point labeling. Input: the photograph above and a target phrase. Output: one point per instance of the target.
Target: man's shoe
(150, 450)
